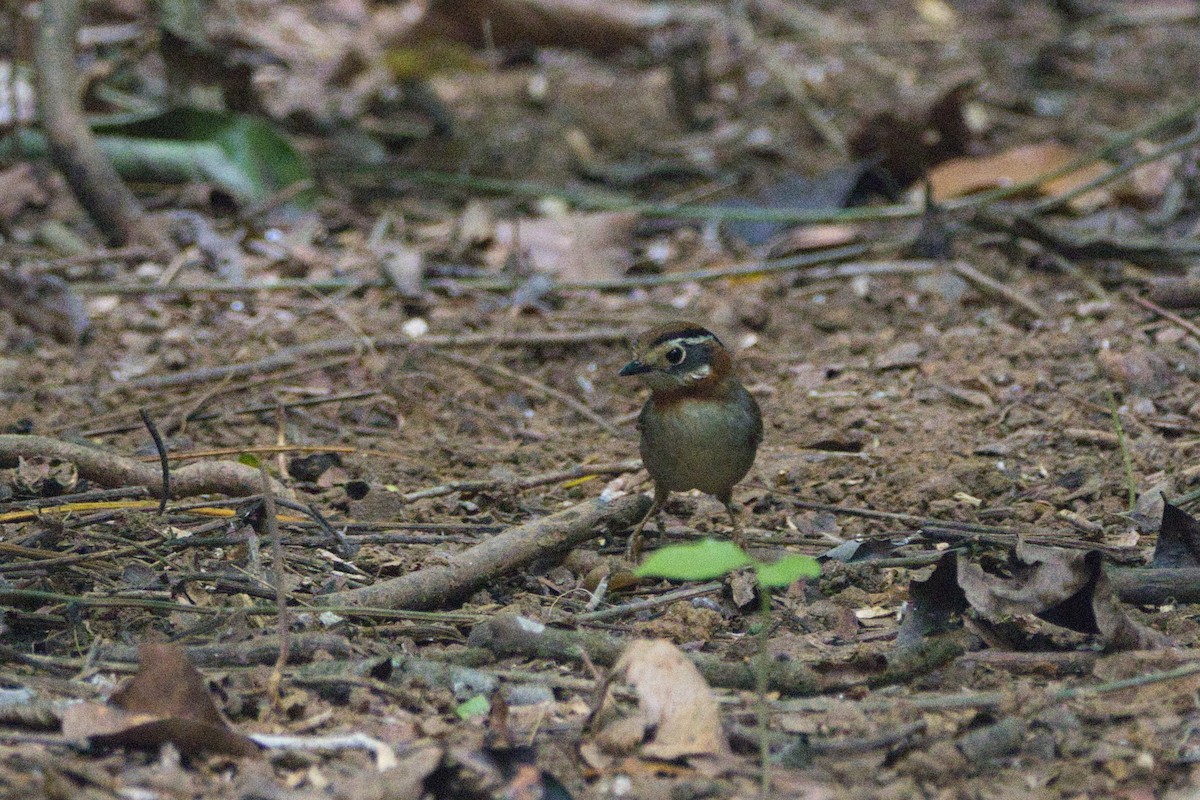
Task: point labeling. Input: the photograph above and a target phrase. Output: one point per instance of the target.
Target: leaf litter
(918, 415)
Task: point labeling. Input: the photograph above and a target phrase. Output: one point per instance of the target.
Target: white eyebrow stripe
(694, 340)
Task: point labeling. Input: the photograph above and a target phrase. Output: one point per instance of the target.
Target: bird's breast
(699, 443)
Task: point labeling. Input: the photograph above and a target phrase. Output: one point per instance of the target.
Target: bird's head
(676, 356)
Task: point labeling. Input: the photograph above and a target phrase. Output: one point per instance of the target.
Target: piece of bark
(503, 554)
(111, 470)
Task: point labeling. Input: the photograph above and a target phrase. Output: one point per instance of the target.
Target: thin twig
(994, 286)
(307, 402)
(281, 592)
(1171, 316)
(792, 83)
(1126, 458)
(1058, 201)
(542, 388)
(653, 602)
(291, 356)
(558, 476)
(162, 459)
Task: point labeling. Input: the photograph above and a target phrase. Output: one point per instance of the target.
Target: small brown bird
(700, 429)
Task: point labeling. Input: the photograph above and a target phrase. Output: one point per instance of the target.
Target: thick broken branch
(503, 554)
(116, 471)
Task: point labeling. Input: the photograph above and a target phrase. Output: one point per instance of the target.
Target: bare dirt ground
(926, 395)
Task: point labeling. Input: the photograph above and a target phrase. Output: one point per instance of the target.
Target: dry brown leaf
(1064, 587)
(166, 701)
(674, 699)
(576, 247)
(962, 176)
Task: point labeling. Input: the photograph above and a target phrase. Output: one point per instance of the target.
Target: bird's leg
(634, 548)
(738, 535)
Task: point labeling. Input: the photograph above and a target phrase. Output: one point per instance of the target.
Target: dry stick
(162, 459)
(272, 449)
(581, 471)
(112, 470)
(869, 513)
(754, 267)
(549, 391)
(503, 554)
(240, 412)
(996, 287)
(281, 592)
(1165, 314)
(1055, 202)
(73, 148)
(264, 650)
(653, 602)
(96, 496)
(290, 356)
(1155, 586)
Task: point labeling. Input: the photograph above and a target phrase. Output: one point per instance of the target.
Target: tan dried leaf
(675, 699)
(166, 701)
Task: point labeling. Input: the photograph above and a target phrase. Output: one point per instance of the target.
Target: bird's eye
(675, 356)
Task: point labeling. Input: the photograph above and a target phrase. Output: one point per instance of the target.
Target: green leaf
(249, 459)
(787, 570)
(693, 562)
(477, 706)
(244, 155)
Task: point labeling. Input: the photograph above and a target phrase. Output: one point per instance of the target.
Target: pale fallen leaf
(674, 699)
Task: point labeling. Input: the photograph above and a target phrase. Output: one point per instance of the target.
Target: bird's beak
(634, 367)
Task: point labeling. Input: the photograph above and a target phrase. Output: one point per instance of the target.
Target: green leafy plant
(477, 706)
(246, 156)
(712, 559)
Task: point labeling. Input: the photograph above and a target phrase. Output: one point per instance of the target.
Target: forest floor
(1009, 383)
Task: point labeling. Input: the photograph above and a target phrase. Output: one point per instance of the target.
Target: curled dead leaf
(166, 701)
(1068, 588)
(674, 701)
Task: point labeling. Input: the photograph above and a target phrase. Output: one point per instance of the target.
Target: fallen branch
(504, 554)
(265, 650)
(1152, 587)
(116, 471)
(290, 356)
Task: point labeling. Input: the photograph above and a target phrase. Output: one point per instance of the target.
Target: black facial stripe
(686, 333)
